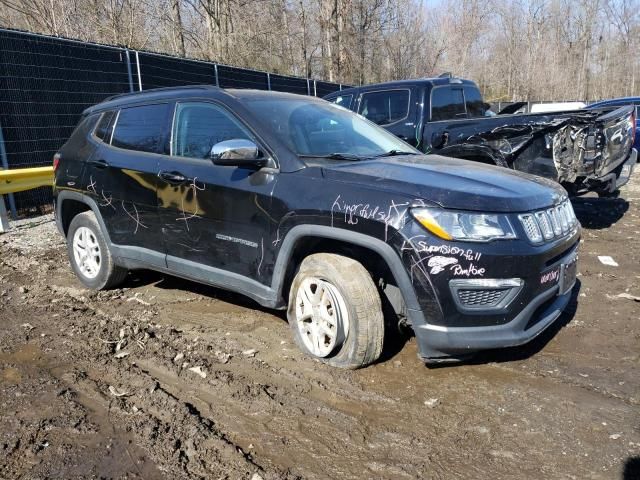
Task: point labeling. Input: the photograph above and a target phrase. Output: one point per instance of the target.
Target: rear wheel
(335, 311)
(89, 254)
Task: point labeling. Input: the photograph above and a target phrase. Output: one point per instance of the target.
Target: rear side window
(103, 130)
(199, 126)
(140, 128)
(343, 100)
(447, 103)
(473, 101)
(385, 107)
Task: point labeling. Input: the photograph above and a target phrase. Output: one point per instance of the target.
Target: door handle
(99, 163)
(172, 177)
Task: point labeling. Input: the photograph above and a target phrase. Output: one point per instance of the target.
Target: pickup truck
(584, 150)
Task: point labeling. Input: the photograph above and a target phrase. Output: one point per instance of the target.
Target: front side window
(199, 126)
(343, 100)
(140, 128)
(385, 107)
(447, 103)
(319, 129)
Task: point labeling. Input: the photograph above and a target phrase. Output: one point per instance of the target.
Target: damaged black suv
(305, 206)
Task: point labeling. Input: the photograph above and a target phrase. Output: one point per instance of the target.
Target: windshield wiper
(334, 156)
(393, 153)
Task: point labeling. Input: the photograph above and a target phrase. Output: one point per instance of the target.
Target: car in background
(556, 106)
(583, 150)
(618, 102)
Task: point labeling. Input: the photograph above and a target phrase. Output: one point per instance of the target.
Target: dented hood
(452, 183)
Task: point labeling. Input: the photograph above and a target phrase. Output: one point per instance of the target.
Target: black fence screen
(46, 83)
(325, 88)
(158, 71)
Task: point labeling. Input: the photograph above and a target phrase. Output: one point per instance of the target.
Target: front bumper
(627, 169)
(442, 343)
(447, 330)
(619, 177)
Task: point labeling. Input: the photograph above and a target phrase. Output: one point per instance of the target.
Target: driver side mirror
(238, 152)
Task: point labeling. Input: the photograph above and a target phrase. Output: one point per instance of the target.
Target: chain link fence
(46, 82)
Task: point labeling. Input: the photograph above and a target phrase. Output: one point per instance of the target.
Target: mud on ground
(169, 379)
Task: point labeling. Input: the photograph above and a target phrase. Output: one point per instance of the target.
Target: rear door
(122, 174)
(395, 109)
(452, 108)
(213, 217)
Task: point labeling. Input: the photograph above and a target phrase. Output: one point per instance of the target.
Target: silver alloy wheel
(86, 252)
(321, 316)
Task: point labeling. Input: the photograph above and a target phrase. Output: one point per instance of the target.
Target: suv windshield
(312, 128)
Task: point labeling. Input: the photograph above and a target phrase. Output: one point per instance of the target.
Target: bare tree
(514, 49)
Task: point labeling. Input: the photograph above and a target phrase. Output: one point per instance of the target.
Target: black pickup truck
(584, 150)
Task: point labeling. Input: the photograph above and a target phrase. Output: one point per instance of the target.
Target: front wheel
(335, 311)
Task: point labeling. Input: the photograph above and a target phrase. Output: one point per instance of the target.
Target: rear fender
(62, 196)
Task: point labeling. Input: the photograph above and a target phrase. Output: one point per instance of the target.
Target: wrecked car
(305, 206)
(584, 150)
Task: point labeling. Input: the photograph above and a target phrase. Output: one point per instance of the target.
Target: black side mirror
(237, 152)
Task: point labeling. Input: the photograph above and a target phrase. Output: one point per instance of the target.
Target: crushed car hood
(584, 143)
(452, 183)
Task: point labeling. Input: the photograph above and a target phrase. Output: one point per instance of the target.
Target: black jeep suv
(304, 205)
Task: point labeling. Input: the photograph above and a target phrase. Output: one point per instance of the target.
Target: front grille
(549, 224)
(482, 298)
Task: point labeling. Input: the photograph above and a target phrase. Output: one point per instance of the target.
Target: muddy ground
(98, 385)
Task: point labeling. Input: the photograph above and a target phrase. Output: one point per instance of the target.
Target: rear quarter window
(104, 127)
(141, 128)
(79, 136)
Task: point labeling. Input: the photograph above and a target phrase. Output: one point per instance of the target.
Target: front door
(213, 217)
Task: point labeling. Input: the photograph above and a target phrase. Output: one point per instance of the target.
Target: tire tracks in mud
(281, 415)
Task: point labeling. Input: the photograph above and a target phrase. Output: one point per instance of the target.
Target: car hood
(451, 183)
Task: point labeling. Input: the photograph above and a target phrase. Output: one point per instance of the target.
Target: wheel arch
(303, 240)
(69, 204)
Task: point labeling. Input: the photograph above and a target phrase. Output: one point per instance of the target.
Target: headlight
(468, 226)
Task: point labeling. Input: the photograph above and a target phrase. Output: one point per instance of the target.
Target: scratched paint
(193, 211)
(395, 214)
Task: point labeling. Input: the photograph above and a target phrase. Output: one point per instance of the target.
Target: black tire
(362, 344)
(608, 194)
(109, 274)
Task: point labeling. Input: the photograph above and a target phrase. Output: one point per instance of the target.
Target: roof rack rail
(445, 75)
(162, 89)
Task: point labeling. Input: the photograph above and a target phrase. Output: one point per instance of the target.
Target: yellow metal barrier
(20, 179)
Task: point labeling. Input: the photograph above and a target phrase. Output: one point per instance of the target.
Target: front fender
(388, 254)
